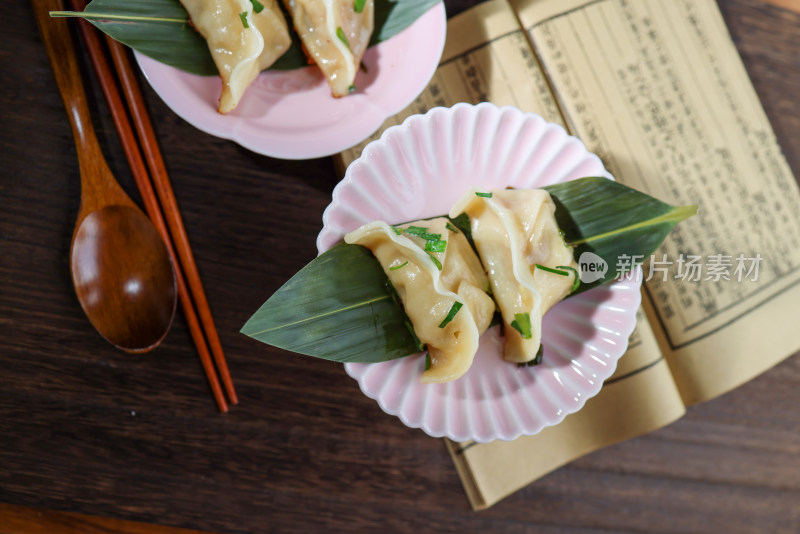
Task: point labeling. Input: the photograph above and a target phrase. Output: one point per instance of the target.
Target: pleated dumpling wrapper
(513, 231)
(441, 284)
(241, 41)
(335, 34)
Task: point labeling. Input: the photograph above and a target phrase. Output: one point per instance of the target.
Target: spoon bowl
(121, 268)
(140, 285)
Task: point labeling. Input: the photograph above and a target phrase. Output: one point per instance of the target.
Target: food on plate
(530, 266)
(340, 307)
(444, 286)
(246, 37)
(243, 37)
(441, 284)
(335, 34)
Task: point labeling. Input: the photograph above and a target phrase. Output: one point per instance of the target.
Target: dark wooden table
(89, 429)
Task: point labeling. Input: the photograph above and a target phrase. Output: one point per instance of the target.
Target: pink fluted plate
(291, 114)
(419, 169)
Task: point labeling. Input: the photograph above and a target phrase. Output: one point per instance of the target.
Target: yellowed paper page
(638, 398)
(486, 58)
(658, 91)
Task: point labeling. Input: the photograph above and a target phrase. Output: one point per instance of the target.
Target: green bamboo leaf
(613, 221)
(156, 28)
(338, 307)
(394, 16)
(161, 29)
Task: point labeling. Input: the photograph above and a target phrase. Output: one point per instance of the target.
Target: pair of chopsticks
(191, 296)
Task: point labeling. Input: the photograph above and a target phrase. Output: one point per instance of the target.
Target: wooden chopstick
(131, 148)
(158, 171)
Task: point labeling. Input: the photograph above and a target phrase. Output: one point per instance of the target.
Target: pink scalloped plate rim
(419, 169)
(291, 114)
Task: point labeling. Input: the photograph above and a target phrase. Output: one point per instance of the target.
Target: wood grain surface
(787, 4)
(85, 428)
(15, 519)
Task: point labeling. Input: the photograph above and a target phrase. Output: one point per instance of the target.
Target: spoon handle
(98, 186)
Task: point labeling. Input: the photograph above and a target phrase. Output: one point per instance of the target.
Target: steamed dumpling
(430, 283)
(463, 274)
(335, 36)
(239, 52)
(513, 231)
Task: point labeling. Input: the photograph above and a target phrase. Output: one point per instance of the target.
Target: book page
(639, 397)
(658, 91)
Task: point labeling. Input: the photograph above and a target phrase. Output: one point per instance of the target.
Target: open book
(656, 89)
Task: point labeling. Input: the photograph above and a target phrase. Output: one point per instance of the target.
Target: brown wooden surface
(15, 519)
(85, 428)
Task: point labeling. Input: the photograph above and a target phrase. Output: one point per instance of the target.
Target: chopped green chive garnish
(395, 267)
(551, 270)
(451, 314)
(522, 324)
(416, 230)
(258, 7)
(419, 231)
(397, 230)
(342, 37)
(433, 242)
(351, 89)
(417, 342)
(358, 5)
(577, 281)
(436, 246)
(243, 18)
(565, 272)
(427, 361)
(484, 195)
(435, 261)
(450, 227)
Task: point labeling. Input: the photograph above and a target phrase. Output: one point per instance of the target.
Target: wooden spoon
(120, 266)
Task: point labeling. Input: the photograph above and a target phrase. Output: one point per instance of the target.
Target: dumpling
(336, 34)
(513, 231)
(441, 284)
(462, 272)
(242, 42)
